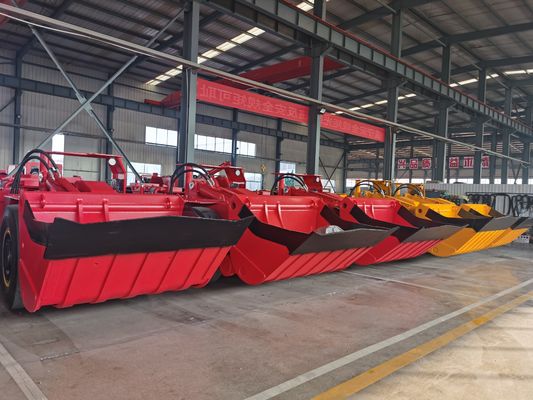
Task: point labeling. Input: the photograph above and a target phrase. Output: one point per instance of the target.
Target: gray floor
(231, 341)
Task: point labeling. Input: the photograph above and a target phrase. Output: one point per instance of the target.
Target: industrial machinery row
(67, 240)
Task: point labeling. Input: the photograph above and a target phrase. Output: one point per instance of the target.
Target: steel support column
(189, 82)
(345, 155)
(17, 112)
(526, 152)
(279, 141)
(480, 126)
(110, 127)
(439, 172)
(315, 91)
(392, 99)
(493, 159)
(234, 134)
(506, 141)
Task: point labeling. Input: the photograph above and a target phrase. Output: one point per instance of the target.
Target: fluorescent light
(367, 105)
(243, 37)
(468, 81)
(410, 95)
(380, 102)
(305, 6)
(401, 97)
(515, 72)
(175, 71)
(355, 108)
(230, 44)
(529, 71)
(255, 31)
(226, 46)
(211, 53)
(454, 85)
(339, 112)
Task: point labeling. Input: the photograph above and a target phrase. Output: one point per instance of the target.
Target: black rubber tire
(206, 212)
(9, 256)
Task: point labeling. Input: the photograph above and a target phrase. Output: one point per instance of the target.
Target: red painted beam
(226, 96)
(283, 71)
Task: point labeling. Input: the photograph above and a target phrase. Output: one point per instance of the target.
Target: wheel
(9, 257)
(206, 212)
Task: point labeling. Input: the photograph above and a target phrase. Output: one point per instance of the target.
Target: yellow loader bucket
(482, 227)
(512, 233)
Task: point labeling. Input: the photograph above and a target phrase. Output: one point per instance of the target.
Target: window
(287, 167)
(246, 149)
(143, 169)
(160, 136)
(221, 145)
(350, 183)
(254, 181)
(329, 184)
(58, 144)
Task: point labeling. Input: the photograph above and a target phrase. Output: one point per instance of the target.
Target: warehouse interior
(416, 92)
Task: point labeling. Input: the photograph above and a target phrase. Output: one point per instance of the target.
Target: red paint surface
(223, 95)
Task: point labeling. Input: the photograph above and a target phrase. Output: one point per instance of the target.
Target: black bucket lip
(499, 223)
(358, 236)
(441, 232)
(67, 239)
(523, 223)
(421, 230)
(464, 220)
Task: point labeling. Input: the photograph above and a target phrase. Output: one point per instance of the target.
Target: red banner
(485, 162)
(426, 163)
(216, 93)
(413, 163)
(402, 163)
(468, 162)
(453, 162)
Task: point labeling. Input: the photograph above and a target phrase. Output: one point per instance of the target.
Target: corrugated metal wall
(6, 116)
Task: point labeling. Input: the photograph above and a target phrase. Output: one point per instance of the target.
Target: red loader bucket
(413, 238)
(87, 248)
(292, 237)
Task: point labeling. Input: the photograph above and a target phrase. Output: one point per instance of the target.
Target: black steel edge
(434, 233)
(499, 223)
(66, 239)
(332, 216)
(417, 221)
(474, 222)
(302, 243)
(523, 223)
(352, 239)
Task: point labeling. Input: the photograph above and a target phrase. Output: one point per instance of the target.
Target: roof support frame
(347, 48)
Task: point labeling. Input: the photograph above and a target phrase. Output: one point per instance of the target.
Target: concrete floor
(232, 341)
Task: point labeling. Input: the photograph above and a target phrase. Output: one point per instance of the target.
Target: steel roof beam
(55, 14)
(347, 43)
(286, 20)
(468, 36)
(381, 12)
